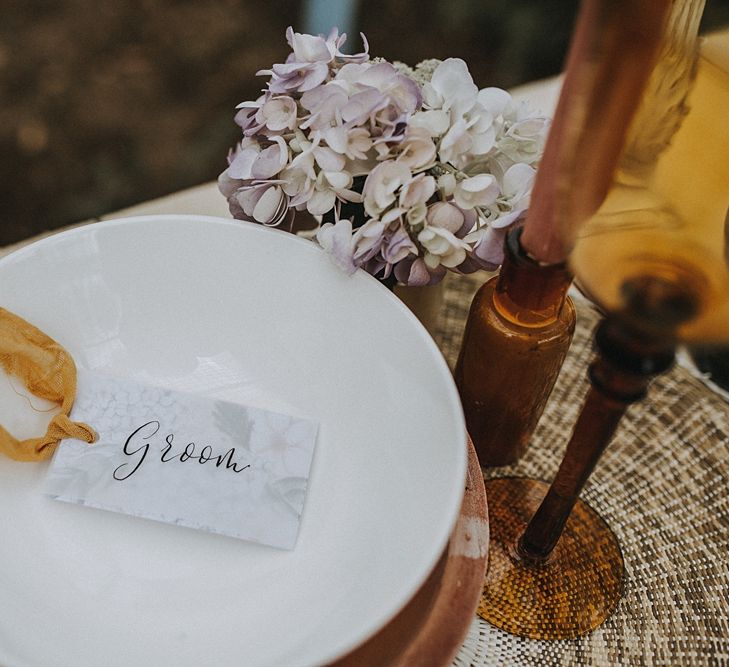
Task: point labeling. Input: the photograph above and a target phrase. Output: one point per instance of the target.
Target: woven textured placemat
(662, 486)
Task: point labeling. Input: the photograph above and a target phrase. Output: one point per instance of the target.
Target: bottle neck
(528, 293)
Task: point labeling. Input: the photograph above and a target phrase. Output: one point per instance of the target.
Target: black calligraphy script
(135, 446)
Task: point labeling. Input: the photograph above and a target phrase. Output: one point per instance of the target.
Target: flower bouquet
(409, 172)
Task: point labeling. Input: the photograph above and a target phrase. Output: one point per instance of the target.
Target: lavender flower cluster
(438, 169)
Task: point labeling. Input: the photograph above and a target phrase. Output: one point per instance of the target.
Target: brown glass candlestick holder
(654, 256)
(555, 567)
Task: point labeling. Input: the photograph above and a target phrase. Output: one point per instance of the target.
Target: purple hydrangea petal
(489, 250)
(336, 239)
(308, 48)
(242, 163)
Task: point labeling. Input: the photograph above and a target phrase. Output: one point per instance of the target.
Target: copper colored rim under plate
(430, 629)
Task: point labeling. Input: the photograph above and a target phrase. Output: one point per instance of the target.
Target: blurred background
(108, 103)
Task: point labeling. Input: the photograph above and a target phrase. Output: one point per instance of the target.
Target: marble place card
(187, 460)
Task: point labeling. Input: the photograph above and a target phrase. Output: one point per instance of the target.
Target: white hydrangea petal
(350, 74)
(294, 181)
(447, 184)
(417, 191)
(359, 143)
(483, 142)
(338, 179)
(337, 138)
(508, 218)
(452, 80)
(359, 107)
(308, 48)
(431, 97)
(455, 141)
(267, 206)
(349, 195)
(378, 75)
(373, 228)
(529, 127)
(435, 121)
(497, 101)
(416, 215)
(417, 151)
(327, 159)
(392, 215)
(321, 202)
(518, 180)
(304, 162)
(481, 190)
(452, 77)
(442, 247)
(381, 184)
(445, 216)
(279, 113)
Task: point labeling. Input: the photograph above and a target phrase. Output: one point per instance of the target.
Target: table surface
(661, 486)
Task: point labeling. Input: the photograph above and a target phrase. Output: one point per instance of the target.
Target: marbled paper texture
(188, 460)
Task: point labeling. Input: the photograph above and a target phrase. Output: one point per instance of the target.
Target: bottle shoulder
(511, 320)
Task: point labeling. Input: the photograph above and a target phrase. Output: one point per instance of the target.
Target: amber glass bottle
(517, 335)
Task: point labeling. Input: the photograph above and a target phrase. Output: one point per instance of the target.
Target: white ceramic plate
(257, 316)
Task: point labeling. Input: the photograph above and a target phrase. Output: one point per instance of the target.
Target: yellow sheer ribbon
(48, 371)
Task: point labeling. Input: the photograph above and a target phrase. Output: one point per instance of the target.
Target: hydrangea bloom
(435, 169)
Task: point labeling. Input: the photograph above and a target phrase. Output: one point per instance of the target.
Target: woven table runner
(662, 486)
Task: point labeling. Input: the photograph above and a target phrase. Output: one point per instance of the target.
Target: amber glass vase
(517, 335)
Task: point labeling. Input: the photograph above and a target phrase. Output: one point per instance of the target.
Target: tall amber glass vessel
(519, 329)
(654, 257)
(667, 213)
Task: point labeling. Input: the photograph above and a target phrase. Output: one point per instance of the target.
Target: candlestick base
(566, 596)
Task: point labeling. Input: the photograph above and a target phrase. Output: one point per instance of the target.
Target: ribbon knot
(48, 371)
(62, 427)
